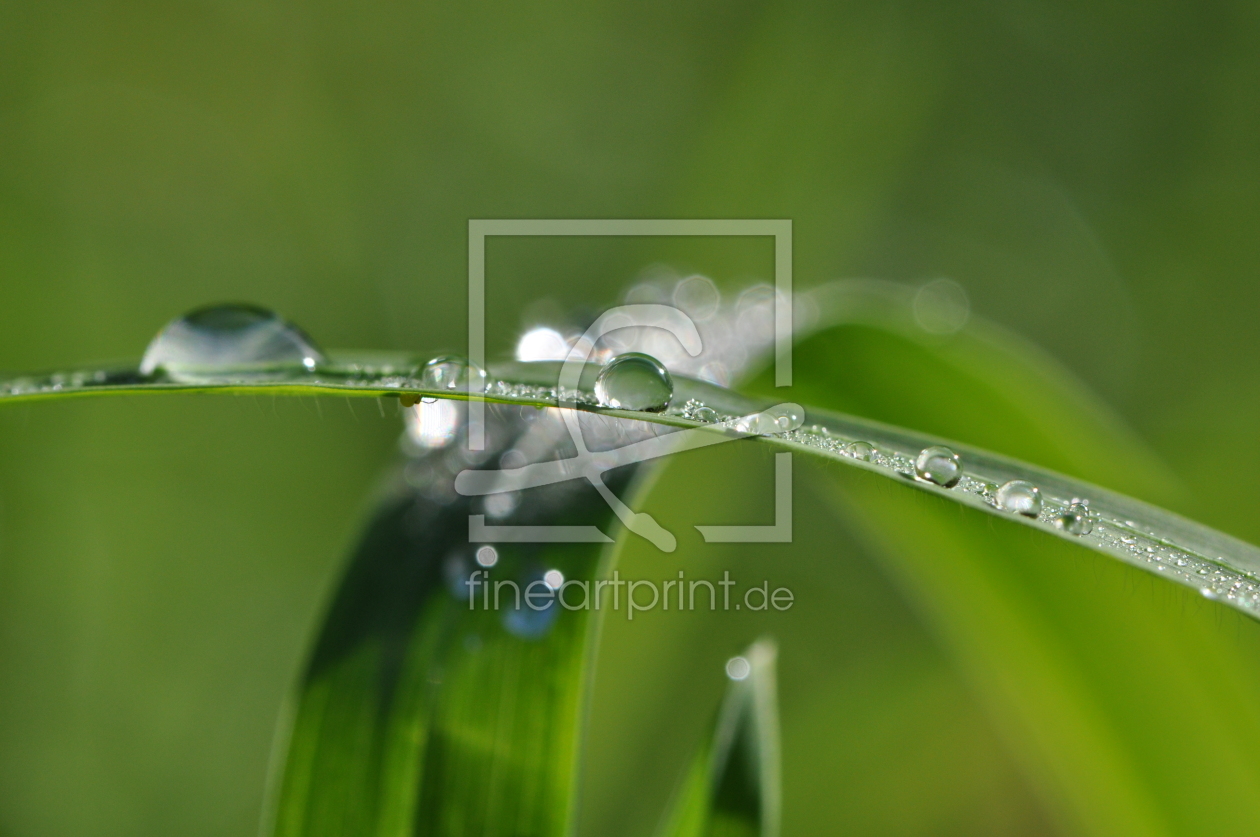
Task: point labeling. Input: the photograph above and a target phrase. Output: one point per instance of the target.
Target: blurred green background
(1088, 172)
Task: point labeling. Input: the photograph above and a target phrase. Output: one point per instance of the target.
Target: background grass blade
(732, 787)
(978, 383)
(1126, 701)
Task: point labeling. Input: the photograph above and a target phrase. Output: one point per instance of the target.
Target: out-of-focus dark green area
(1088, 173)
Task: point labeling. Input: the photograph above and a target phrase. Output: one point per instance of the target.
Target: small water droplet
(860, 450)
(705, 414)
(451, 372)
(1075, 520)
(780, 418)
(487, 556)
(1019, 497)
(634, 381)
(738, 668)
(940, 465)
(229, 340)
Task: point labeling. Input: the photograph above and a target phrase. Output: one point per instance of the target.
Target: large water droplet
(229, 341)
(1076, 520)
(1019, 497)
(634, 381)
(451, 372)
(940, 465)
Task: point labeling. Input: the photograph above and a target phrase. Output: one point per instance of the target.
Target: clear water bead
(781, 418)
(1019, 497)
(705, 414)
(940, 465)
(634, 381)
(1075, 520)
(860, 450)
(451, 372)
(229, 341)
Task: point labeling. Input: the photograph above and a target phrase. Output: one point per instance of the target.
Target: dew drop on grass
(705, 414)
(940, 465)
(634, 381)
(738, 668)
(229, 341)
(781, 418)
(451, 372)
(860, 450)
(1019, 497)
(1075, 520)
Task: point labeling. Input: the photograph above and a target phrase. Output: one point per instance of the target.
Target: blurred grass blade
(976, 383)
(425, 710)
(732, 788)
(1112, 691)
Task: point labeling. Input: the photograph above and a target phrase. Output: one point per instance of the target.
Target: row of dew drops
(942, 467)
(248, 344)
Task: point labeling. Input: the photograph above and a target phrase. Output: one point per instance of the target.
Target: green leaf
(426, 710)
(732, 786)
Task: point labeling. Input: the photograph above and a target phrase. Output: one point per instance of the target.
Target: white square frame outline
(478, 230)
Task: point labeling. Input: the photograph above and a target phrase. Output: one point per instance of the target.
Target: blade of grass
(732, 786)
(1133, 531)
(427, 710)
(1111, 690)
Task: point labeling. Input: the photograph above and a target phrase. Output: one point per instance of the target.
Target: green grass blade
(1103, 683)
(421, 714)
(929, 378)
(732, 786)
